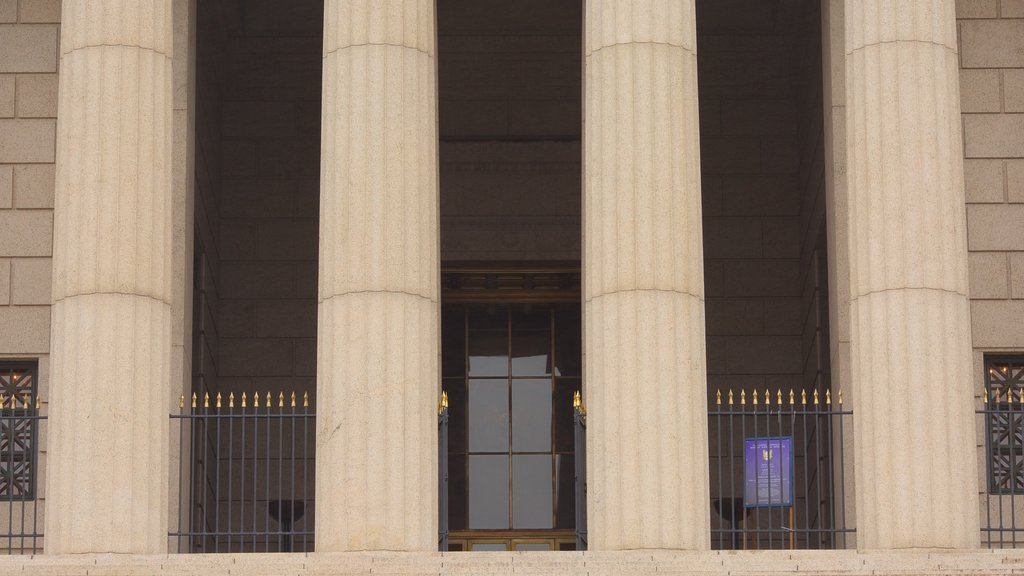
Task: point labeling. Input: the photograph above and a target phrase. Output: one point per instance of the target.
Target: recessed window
(1004, 423)
(18, 430)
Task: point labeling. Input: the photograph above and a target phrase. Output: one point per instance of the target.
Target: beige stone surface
(37, 95)
(984, 181)
(34, 186)
(27, 140)
(1012, 8)
(1013, 90)
(26, 232)
(31, 281)
(24, 330)
(979, 91)
(6, 186)
(989, 277)
(994, 135)
(992, 43)
(630, 563)
(28, 48)
(5, 281)
(644, 286)
(111, 282)
(377, 349)
(909, 278)
(1015, 180)
(998, 324)
(7, 95)
(995, 226)
(8, 11)
(40, 11)
(1017, 275)
(977, 8)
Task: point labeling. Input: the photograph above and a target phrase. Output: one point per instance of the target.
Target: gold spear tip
(231, 400)
(577, 400)
(218, 400)
(828, 396)
(243, 399)
(791, 397)
(293, 399)
(255, 399)
(840, 397)
(767, 397)
(206, 400)
(444, 399)
(305, 399)
(270, 401)
(730, 396)
(193, 399)
(815, 396)
(718, 397)
(743, 397)
(803, 397)
(38, 402)
(181, 401)
(753, 394)
(778, 397)
(280, 400)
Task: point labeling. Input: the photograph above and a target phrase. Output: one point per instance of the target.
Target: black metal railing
(777, 469)
(1002, 414)
(579, 412)
(247, 474)
(442, 471)
(21, 530)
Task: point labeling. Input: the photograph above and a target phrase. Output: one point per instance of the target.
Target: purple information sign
(768, 472)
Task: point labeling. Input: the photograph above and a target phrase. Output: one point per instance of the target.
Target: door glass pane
(565, 439)
(488, 415)
(456, 492)
(532, 546)
(456, 389)
(488, 353)
(531, 415)
(488, 492)
(565, 492)
(531, 352)
(531, 491)
(489, 547)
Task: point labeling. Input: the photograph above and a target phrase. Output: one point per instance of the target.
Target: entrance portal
(510, 371)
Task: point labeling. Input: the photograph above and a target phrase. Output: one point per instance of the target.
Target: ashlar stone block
(984, 181)
(988, 275)
(1017, 275)
(7, 95)
(979, 90)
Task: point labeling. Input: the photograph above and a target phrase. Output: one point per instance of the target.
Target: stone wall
(992, 104)
(29, 34)
(510, 87)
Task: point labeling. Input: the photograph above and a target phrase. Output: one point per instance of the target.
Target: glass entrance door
(510, 372)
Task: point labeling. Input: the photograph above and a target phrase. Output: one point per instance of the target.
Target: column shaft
(377, 348)
(916, 466)
(645, 380)
(107, 480)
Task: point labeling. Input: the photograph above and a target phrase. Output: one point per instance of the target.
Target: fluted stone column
(107, 477)
(377, 348)
(645, 380)
(916, 466)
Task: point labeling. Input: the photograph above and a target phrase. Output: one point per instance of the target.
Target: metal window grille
(248, 482)
(20, 524)
(796, 497)
(1003, 414)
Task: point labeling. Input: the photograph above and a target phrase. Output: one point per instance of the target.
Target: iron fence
(777, 470)
(247, 474)
(20, 424)
(1002, 415)
(579, 412)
